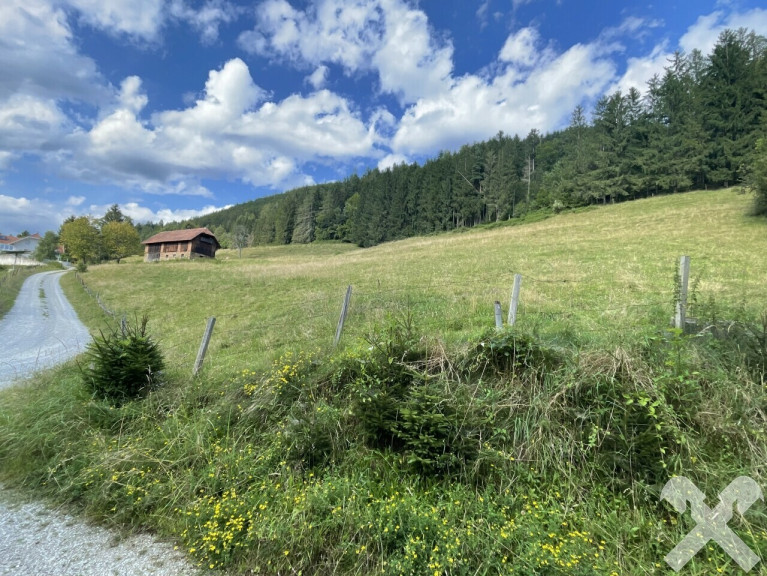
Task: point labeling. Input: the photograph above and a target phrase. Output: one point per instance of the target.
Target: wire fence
(576, 307)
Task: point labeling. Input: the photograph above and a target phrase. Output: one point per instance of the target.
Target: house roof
(8, 239)
(179, 236)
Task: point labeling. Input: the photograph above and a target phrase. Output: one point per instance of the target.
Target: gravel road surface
(41, 330)
(38, 541)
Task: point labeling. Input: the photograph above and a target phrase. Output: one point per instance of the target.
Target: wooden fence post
(204, 345)
(498, 316)
(681, 302)
(342, 319)
(512, 319)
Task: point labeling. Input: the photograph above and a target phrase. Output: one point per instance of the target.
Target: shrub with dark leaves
(124, 364)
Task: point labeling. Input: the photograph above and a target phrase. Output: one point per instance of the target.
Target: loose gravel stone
(38, 541)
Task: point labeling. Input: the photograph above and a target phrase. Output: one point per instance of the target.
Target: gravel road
(38, 541)
(41, 330)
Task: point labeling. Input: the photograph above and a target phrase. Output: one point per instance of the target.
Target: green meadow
(427, 441)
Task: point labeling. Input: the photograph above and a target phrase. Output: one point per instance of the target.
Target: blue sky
(175, 108)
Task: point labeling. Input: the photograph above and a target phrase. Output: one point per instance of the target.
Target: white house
(18, 251)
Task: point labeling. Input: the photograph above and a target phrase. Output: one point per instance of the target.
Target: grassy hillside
(591, 273)
(427, 442)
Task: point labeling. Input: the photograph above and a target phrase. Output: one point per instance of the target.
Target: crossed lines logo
(711, 524)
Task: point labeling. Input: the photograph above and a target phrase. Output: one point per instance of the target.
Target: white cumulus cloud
(386, 37)
(518, 98)
(39, 56)
(140, 213)
(18, 213)
(319, 77)
(233, 131)
(139, 18)
(522, 48)
(705, 32)
(207, 19)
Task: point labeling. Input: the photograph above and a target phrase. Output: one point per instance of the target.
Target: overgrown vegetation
(428, 442)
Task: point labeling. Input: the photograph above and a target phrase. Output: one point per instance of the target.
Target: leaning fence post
(512, 319)
(123, 326)
(681, 302)
(498, 316)
(204, 345)
(342, 319)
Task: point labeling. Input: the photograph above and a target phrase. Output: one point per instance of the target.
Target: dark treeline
(696, 126)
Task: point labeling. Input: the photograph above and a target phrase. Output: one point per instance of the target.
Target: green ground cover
(11, 279)
(427, 442)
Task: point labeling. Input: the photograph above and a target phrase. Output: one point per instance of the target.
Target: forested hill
(697, 126)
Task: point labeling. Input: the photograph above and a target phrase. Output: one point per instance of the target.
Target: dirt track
(40, 331)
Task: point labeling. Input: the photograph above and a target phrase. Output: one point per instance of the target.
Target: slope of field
(599, 274)
(427, 442)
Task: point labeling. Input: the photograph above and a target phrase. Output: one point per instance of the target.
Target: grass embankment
(428, 443)
(11, 279)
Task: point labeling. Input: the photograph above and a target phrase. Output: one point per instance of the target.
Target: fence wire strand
(435, 303)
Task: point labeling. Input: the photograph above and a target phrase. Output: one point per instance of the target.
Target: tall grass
(427, 443)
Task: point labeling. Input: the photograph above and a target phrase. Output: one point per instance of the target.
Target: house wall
(11, 259)
(197, 248)
(27, 243)
(20, 245)
(204, 246)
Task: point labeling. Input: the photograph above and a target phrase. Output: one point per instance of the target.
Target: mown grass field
(427, 443)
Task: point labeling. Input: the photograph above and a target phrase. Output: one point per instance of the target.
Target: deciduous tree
(120, 239)
(81, 238)
(46, 248)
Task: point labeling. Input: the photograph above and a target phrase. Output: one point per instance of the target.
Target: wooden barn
(193, 243)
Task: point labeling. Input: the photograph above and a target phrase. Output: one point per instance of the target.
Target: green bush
(379, 380)
(510, 353)
(629, 427)
(124, 364)
(441, 431)
(82, 266)
(404, 402)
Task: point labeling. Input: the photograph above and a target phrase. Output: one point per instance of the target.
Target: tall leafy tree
(306, 217)
(120, 239)
(81, 239)
(46, 248)
(531, 145)
(241, 238)
(756, 177)
(264, 228)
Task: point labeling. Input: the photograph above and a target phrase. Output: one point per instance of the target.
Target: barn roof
(179, 236)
